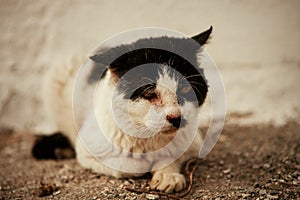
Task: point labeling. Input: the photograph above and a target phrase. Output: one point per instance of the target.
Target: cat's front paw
(168, 182)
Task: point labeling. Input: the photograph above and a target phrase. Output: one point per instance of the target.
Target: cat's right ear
(203, 37)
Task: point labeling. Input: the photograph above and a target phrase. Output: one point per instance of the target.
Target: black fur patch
(177, 53)
(55, 146)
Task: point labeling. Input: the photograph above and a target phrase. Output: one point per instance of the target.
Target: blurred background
(255, 44)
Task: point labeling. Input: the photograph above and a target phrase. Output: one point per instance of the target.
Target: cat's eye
(149, 95)
(186, 89)
(147, 92)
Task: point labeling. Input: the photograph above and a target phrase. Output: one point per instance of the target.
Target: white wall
(255, 44)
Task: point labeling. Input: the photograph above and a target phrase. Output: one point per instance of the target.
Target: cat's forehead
(168, 78)
(159, 50)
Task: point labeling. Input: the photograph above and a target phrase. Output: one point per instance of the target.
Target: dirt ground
(255, 162)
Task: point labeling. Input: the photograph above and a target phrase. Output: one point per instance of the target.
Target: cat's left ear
(203, 37)
(105, 57)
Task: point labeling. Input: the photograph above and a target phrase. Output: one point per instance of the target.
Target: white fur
(106, 141)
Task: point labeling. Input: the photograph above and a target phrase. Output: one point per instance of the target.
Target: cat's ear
(108, 58)
(111, 57)
(203, 37)
(102, 58)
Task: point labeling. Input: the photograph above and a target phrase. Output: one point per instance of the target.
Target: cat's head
(158, 77)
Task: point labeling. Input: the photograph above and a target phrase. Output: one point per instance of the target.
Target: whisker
(193, 83)
(197, 83)
(191, 76)
(194, 87)
(195, 75)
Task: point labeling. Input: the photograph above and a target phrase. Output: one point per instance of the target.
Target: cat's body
(132, 123)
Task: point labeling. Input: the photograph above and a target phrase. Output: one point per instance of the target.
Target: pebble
(152, 196)
(126, 183)
(295, 183)
(226, 171)
(266, 166)
(56, 193)
(244, 196)
(272, 196)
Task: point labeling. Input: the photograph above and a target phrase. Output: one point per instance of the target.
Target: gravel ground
(255, 162)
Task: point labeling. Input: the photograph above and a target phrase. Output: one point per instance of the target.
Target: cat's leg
(168, 179)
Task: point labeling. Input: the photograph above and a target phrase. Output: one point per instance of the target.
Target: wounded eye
(146, 92)
(149, 95)
(186, 89)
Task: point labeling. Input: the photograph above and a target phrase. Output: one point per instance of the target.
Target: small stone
(272, 196)
(126, 183)
(56, 193)
(226, 171)
(266, 166)
(295, 174)
(244, 196)
(152, 196)
(46, 189)
(295, 183)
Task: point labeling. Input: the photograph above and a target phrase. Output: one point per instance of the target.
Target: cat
(140, 115)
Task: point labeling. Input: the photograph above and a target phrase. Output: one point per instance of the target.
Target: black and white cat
(143, 111)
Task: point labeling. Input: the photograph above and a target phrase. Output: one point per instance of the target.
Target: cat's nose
(175, 120)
